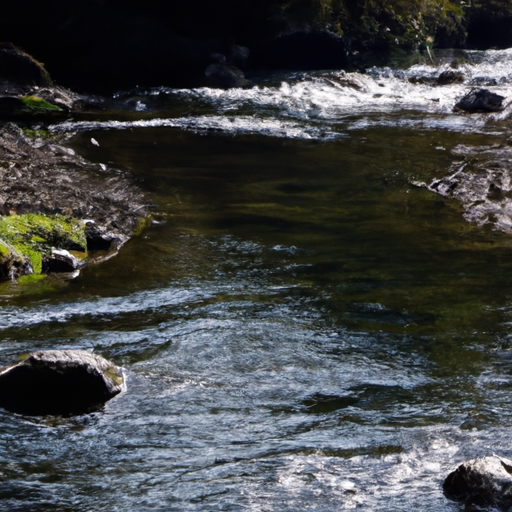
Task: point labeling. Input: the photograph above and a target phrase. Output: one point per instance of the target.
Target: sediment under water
(302, 328)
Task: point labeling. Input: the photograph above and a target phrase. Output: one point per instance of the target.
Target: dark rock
(302, 50)
(223, 76)
(19, 68)
(218, 58)
(238, 56)
(98, 239)
(481, 100)
(59, 260)
(29, 108)
(450, 76)
(62, 382)
(482, 484)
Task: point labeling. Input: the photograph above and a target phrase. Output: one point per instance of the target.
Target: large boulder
(481, 100)
(59, 382)
(482, 484)
(19, 68)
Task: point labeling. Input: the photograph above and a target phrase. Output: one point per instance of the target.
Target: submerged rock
(481, 100)
(59, 382)
(482, 484)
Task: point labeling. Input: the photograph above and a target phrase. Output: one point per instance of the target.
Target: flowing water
(302, 328)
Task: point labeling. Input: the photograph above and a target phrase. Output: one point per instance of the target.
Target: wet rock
(98, 239)
(450, 76)
(224, 76)
(482, 183)
(59, 260)
(20, 68)
(481, 100)
(482, 484)
(355, 81)
(59, 382)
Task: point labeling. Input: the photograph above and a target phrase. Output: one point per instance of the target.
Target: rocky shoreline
(49, 195)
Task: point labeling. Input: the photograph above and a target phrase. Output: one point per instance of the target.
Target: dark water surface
(302, 329)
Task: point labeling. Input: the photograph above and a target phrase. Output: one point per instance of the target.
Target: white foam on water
(324, 105)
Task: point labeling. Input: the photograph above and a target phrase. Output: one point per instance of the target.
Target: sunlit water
(302, 328)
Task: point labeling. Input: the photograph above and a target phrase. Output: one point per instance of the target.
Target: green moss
(35, 104)
(31, 278)
(114, 374)
(4, 250)
(31, 235)
(34, 134)
(143, 223)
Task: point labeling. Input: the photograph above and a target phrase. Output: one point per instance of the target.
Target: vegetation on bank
(363, 23)
(106, 45)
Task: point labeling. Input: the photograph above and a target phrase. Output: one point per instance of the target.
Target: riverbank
(53, 201)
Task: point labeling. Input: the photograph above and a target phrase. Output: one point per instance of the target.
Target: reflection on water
(302, 329)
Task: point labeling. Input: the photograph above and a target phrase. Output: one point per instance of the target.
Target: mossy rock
(20, 68)
(31, 235)
(27, 106)
(35, 104)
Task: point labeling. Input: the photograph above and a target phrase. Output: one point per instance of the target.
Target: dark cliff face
(105, 45)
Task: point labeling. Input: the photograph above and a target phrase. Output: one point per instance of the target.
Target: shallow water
(302, 328)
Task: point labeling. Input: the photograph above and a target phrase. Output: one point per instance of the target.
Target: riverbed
(302, 327)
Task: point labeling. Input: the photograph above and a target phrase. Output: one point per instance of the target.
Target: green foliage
(394, 25)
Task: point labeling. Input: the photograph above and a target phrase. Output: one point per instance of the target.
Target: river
(302, 327)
